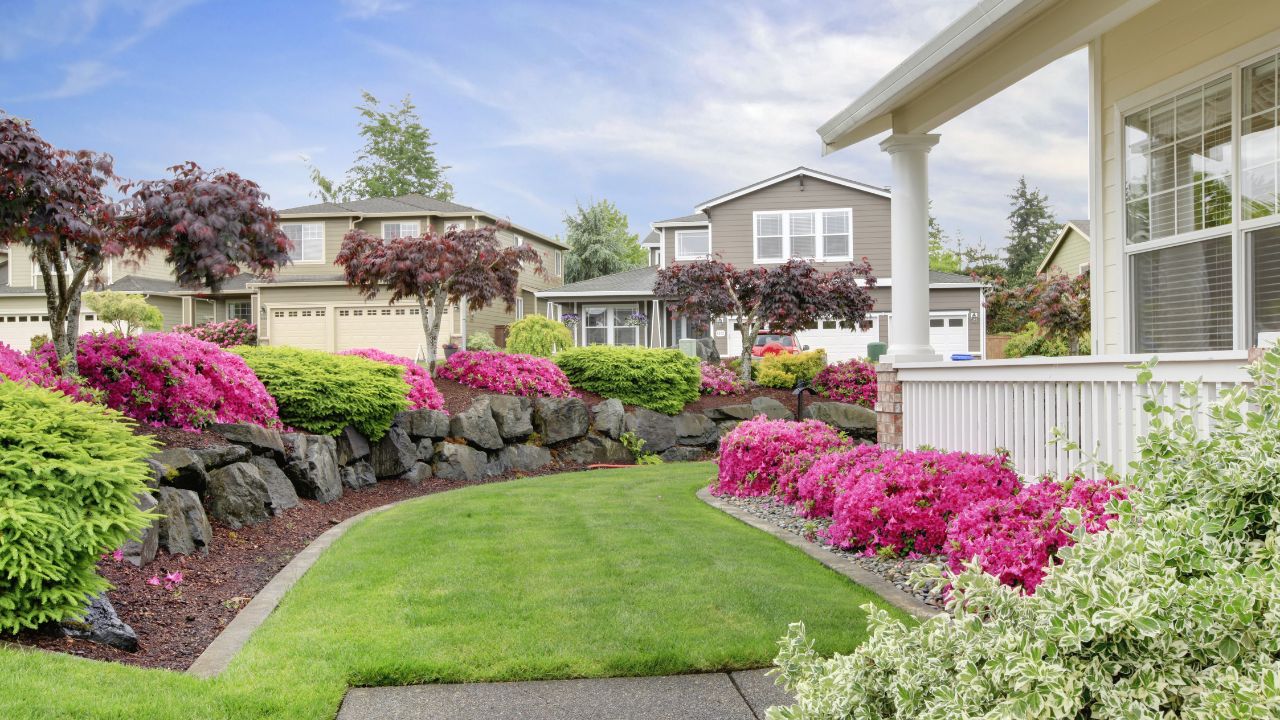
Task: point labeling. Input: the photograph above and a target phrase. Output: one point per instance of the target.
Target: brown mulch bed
(174, 438)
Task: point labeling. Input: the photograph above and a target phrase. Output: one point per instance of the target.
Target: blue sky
(535, 105)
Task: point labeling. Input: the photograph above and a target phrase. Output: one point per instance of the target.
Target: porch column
(909, 242)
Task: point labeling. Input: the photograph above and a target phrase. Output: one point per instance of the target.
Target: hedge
(537, 335)
(659, 379)
(784, 370)
(322, 393)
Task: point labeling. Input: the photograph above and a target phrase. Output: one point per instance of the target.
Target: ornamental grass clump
(507, 373)
(752, 454)
(322, 393)
(851, 381)
(1172, 613)
(422, 390)
(70, 474)
(662, 380)
(173, 380)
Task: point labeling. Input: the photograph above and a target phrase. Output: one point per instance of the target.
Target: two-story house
(801, 213)
(308, 304)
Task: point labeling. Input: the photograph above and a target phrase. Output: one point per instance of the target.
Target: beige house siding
(1070, 255)
(170, 308)
(1173, 44)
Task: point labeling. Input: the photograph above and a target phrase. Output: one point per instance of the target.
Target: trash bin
(875, 350)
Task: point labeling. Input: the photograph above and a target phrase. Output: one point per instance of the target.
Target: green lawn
(620, 572)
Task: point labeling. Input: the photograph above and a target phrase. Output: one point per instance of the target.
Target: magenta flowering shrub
(422, 390)
(718, 379)
(175, 380)
(39, 368)
(1016, 538)
(506, 373)
(902, 502)
(751, 455)
(229, 333)
(851, 381)
(816, 488)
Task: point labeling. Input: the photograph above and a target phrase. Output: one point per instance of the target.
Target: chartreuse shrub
(660, 379)
(69, 474)
(1173, 612)
(537, 335)
(322, 393)
(785, 370)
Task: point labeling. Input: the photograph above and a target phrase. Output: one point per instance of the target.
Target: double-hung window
(240, 310)
(820, 235)
(393, 230)
(608, 325)
(308, 241)
(693, 244)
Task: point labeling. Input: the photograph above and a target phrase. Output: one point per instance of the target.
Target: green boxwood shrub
(70, 474)
(784, 370)
(537, 335)
(659, 379)
(322, 393)
(481, 340)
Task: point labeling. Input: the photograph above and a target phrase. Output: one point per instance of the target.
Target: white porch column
(909, 242)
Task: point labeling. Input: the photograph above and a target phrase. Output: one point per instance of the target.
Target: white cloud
(365, 9)
(81, 78)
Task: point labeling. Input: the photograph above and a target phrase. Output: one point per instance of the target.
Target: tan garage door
(396, 329)
(304, 327)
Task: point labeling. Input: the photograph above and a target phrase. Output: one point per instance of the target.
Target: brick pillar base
(888, 407)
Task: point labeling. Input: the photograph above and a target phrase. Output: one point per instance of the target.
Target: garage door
(303, 327)
(396, 329)
(840, 342)
(17, 329)
(949, 334)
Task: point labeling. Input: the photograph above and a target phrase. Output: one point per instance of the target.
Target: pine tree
(1032, 228)
(600, 242)
(941, 257)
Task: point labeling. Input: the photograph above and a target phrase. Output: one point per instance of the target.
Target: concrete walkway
(714, 696)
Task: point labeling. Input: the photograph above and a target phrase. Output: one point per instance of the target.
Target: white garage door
(396, 329)
(949, 334)
(17, 329)
(840, 342)
(302, 327)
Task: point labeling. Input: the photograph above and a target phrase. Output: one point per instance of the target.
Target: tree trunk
(750, 331)
(1073, 344)
(62, 297)
(431, 314)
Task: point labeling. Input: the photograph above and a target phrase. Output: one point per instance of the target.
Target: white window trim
(519, 308)
(612, 313)
(321, 260)
(693, 256)
(417, 226)
(786, 235)
(558, 257)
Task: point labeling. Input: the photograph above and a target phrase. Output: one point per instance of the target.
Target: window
(819, 235)
(608, 326)
(1258, 159)
(559, 257)
(519, 308)
(393, 230)
(693, 244)
(308, 241)
(519, 241)
(240, 310)
(1264, 249)
(1182, 297)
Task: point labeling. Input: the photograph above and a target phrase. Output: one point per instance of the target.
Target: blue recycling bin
(961, 356)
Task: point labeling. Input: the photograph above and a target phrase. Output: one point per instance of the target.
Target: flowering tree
(1059, 304)
(436, 270)
(53, 202)
(784, 298)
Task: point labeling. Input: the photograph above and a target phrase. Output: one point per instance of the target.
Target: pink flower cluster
(1016, 538)
(719, 379)
(752, 454)
(422, 391)
(175, 380)
(507, 373)
(851, 381)
(229, 333)
(39, 368)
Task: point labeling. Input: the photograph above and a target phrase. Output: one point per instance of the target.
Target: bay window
(819, 235)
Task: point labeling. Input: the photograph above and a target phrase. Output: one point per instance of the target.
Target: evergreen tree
(941, 257)
(396, 159)
(1032, 228)
(600, 242)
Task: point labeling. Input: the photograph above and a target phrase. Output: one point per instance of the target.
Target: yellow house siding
(1156, 47)
(1070, 254)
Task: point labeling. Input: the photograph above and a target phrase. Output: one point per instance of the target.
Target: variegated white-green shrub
(1172, 613)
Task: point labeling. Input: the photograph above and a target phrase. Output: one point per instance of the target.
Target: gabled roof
(1082, 229)
(652, 238)
(797, 172)
(694, 219)
(139, 284)
(628, 282)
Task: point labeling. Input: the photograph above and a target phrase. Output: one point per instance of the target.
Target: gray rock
(141, 550)
(424, 423)
(523, 458)
(279, 487)
(560, 419)
(459, 462)
(695, 429)
(596, 450)
(313, 468)
(418, 473)
(681, 453)
(771, 409)
(182, 468)
(513, 415)
(184, 529)
(657, 430)
(358, 474)
(477, 426)
(857, 421)
(731, 412)
(238, 496)
(352, 446)
(101, 624)
(426, 450)
(724, 427)
(259, 440)
(707, 351)
(394, 454)
(222, 455)
(609, 416)
(157, 473)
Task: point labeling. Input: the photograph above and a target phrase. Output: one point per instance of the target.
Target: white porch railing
(983, 405)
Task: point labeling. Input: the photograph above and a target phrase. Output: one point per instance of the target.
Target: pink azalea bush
(1016, 538)
(816, 488)
(39, 368)
(902, 502)
(718, 379)
(751, 454)
(851, 381)
(507, 373)
(175, 380)
(422, 390)
(229, 333)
